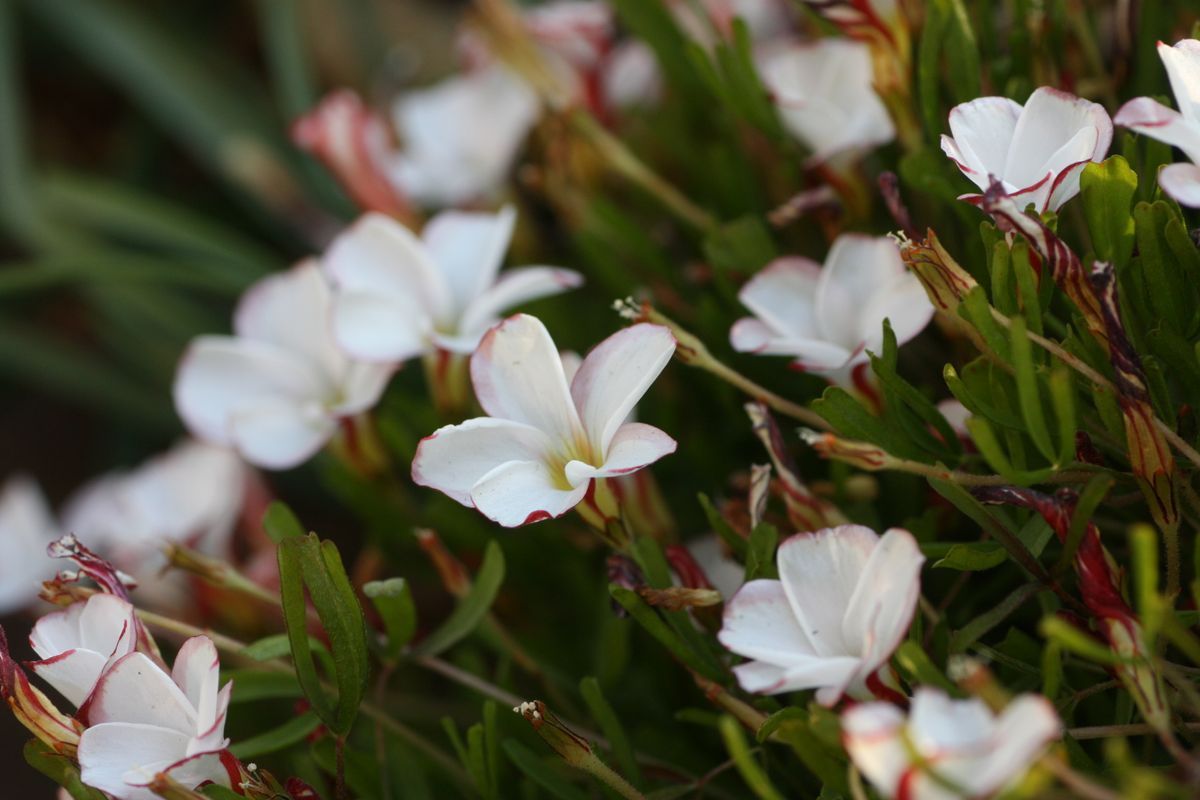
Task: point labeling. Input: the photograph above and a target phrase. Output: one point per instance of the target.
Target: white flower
(545, 440)
(961, 741)
(712, 556)
(826, 98)
(190, 495)
(26, 528)
(842, 605)
(143, 722)
(461, 136)
(1177, 128)
(78, 643)
(397, 296)
(275, 390)
(1036, 151)
(957, 415)
(827, 318)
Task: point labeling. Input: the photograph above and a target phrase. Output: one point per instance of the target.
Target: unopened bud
(944, 280)
(570, 746)
(33, 709)
(677, 598)
(859, 454)
(450, 569)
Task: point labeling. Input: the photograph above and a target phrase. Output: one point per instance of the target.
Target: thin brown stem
(1132, 729)
(1081, 786)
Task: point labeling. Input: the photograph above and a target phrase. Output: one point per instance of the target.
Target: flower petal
(72, 673)
(281, 435)
(220, 376)
(759, 623)
(1053, 118)
(135, 690)
(382, 327)
(523, 492)
(468, 248)
(820, 572)
(856, 269)
(634, 446)
(107, 625)
(197, 671)
(1151, 118)
(117, 757)
(1182, 183)
(454, 458)
(1183, 70)
(879, 612)
(378, 255)
(871, 733)
(983, 131)
(26, 527)
(901, 300)
(613, 378)
(515, 287)
(518, 376)
(1024, 728)
(290, 309)
(783, 295)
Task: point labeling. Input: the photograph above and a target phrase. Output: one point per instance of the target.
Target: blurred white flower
(460, 137)
(1035, 151)
(144, 722)
(843, 603)
(826, 97)
(277, 389)
(724, 573)
(397, 296)
(545, 440)
(26, 528)
(827, 318)
(957, 415)
(78, 643)
(1177, 128)
(947, 749)
(190, 495)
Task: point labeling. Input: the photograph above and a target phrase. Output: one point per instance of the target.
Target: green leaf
(649, 619)
(280, 523)
(917, 667)
(218, 792)
(1090, 498)
(548, 775)
(60, 769)
(972, 557)
(739, 749)
(393, 600)
(970, 633)
(250, 685)
(1029, 392)
(613, 730)
(472, 608)
(1171, 296)
(1106, 191)
(760, 555)
(743, 245)
(294, 731)
(307, 564)
(976, 310)
(737, 544)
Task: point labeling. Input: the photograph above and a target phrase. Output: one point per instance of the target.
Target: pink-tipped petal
(783, 296)
(1021, 733)
(122, 757)
(871, 733)
(524, 492)
(73, 674)
(902, 300)
(468, 248)
(1051, 119)
(615, 375)
(759, 623)
(880, 610)
(290, 309)
(518, 376)
(983, 133)
(281, 435)
(515, 287)
(454, 458)
(1182, 183)
(1183, 70)
(380, 327)
(135, 690)
(856, 268)
(1151, 118)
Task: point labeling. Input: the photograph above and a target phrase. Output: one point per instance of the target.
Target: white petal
(783, 296)
(759, 623)
(879, 612)
(1183, 69)
(1051, 119)
(831, 675)
(113, 754)
(1151, 118)
(378, 255)
(379, 326)
(634, 446)
(872, 736)
(455, 457)
(903, 301)
(820, 572)
(1024, 728)
(197, 672)
(135, 690)
(631, 76)
(281, 435)
(514, 288)
(523, 492)
(468, 248)
(26, 527)
(290, 309)
(107, 625)
(615, 375)
(220, 376)
(72, 673)
(856, 268)
(204, 767)
(518, 376)
(983, 131)
(361, 386)
(1181, 182)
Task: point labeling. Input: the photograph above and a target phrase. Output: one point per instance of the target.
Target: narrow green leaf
(294, 731)
(1093, 494)
(917, 667)
(59, 769)
(541, 772)
(760, 555)
(280, 523)
(1106, 191)
(613, 730)
(1028, 391)
(743, 758)
(649, 619)
(970, 633)
(972, 557)
(472, 608)
(393, 600)
(737, 544)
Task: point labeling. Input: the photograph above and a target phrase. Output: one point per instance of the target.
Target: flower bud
(571, 747)
(858, 454)
(945, 281)
(33, 709)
